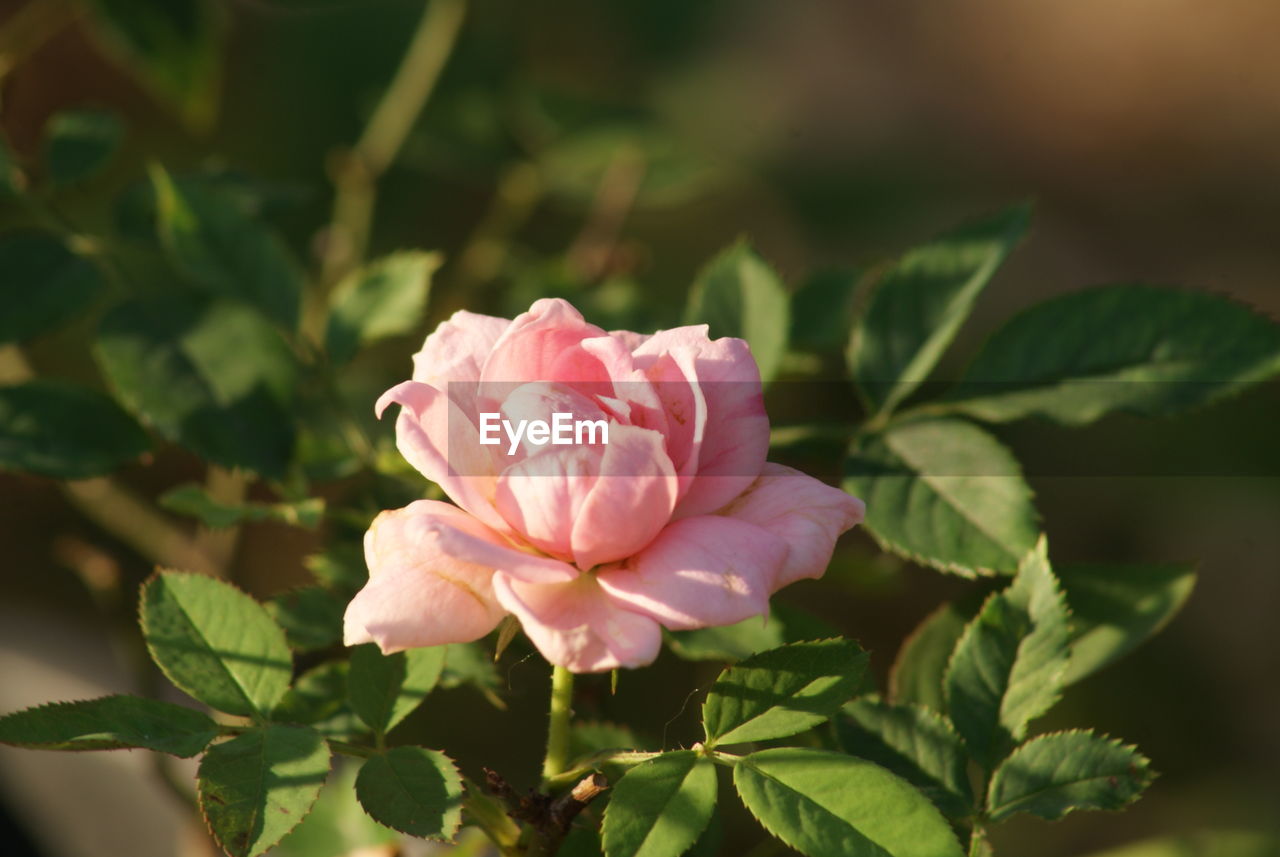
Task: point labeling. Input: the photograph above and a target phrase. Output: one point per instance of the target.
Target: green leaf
(914, 742)
(174, 47)
(384, 298)
(110, 723)
(340, 567)
(1114, 608)
(44, 284)
(1052, 775)
(1008, 666)
(728, 642)
(825, 804)
(917, 673)
(739, 295)
(660, 807)
(58, 429)
(413, 790)
(337, 826)
(920, 303)
(319, 694)
(782, 691)
(256, 788)
(471, 663)
(224, 251)
(311, 617)
(384, 689)
(211, 375)
(1138, 349)
(822, 311)
(80, 143)
(193, 499)
(944, 493)
(596, 736)
(215, 642)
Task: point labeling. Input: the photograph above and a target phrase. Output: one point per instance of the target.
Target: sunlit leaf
(737, 294)
(660, 807)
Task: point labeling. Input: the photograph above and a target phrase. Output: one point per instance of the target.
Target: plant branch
(356, 173)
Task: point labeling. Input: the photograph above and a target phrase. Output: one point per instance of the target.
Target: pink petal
(630, 502)
(417, 595)
(456, 350)
(542, 344)
(591, 504)
(735, 439)
(441, 442)
(699, 572)
(492, 551)
(576, 625)
(807, 514)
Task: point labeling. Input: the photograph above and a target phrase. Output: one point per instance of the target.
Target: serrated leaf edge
(1142, 763)
(462, 788)
(142, 623)
(116, 745)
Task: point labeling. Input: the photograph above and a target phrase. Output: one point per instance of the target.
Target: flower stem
(558, 728)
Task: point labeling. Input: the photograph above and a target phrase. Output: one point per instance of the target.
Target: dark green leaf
(1008, 666)
(595, 736)
(222, 250)
(413, 790)
(61, 430)
(1114, 608)
(311, 617)
(914, 742)
(110, 723)
(384, 689)
(44, 284)
(384, 298)
(826, 804)
(782, 691)
(256, 788)
(660, 807)
(1137, 349)
(921, 302)
(193, 499)
(470, 663)
(215, 642)
(946, 494)
(728, 642)
(319, 694)
(737, 294)
(341, 567)
(1052, 775)
(174, 47)
(80, 143)
(210, 375)
(917, 672)
(822, 311)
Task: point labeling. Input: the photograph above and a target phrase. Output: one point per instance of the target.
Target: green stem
(558, 727)
(355, 175)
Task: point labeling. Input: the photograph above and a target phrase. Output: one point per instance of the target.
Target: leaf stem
(558, 728)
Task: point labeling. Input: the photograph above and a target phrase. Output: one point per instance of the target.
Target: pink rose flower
(676, 521)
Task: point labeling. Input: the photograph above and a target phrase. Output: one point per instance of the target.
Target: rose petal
(417, 595)
(542, 344)
(807, 514)
(699, 572)
(577, 626)
(492, 551)
(591, 504)
(735, 439)
(441, 442)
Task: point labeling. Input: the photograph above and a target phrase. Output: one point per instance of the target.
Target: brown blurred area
(1147, 132)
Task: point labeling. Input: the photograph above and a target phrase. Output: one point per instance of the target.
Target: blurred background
(603, 150)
